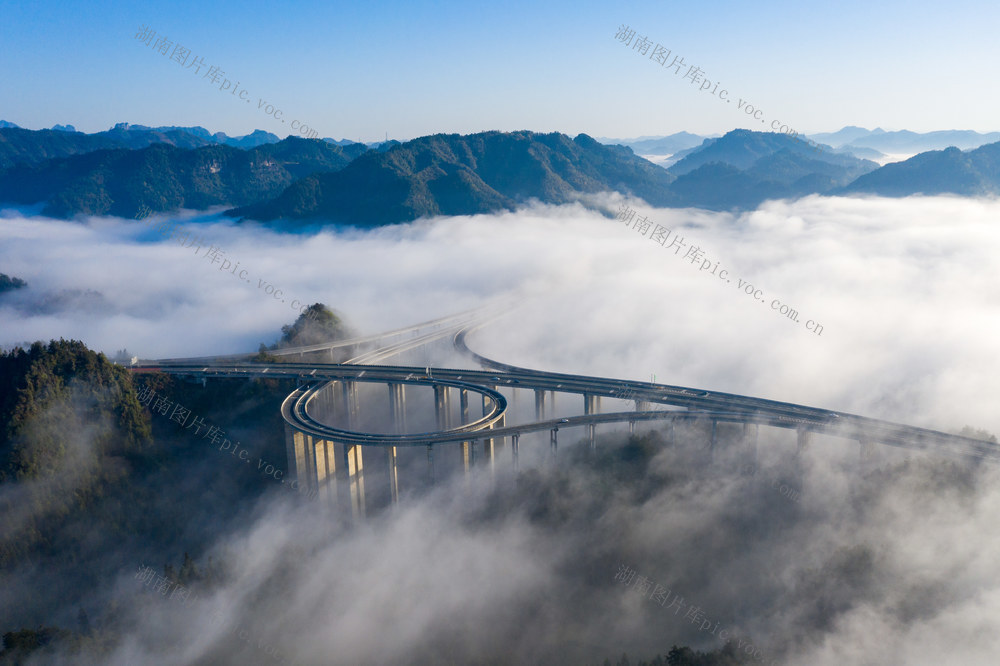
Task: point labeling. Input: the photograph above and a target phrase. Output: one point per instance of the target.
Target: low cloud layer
(890, 563)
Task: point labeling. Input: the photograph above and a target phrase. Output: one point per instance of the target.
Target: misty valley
(455, 408)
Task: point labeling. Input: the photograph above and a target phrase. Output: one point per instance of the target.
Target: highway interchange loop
(684, 403)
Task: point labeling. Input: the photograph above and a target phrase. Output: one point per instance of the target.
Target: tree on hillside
(8, 283)
(315, 325)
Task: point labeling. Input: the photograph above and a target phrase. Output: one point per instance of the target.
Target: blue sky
(407, 69)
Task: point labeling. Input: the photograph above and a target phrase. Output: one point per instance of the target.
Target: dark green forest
(95, 456)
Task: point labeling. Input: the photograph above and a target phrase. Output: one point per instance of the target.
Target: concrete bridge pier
(493, 445)
(356, 478)
(803, 438)
(442, 407)
(463, 399)
(430, 464)
(489, 454)
(355, 403)
(592, 405)
(349, 401)
(345, 464)
(310, 481)
(392, 474)
(640, 406)
(468, 450)
(331, 471)
(341, 392)
(750, 447)
(553, 441)
(295, 452)
(326, 405)
(336, 474)
(321, 469)
(397, 406)
(513, 451)
(539, 405)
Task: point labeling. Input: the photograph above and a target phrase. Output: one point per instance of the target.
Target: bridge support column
(349, 401)
(430, 463)
(641, 406)
(553, 440)
(631, 427)
(463, 399)
(489, 452)
(592, 405)
(442, 407)
(493, 445)
(339, 477)
(355, 403)
(295, 450)
(750, 446)
(803, 437)
(311, 481)
(392, 473)
(318, 467)
(329, 403)
(468, 455)
(397, 406)
(345, 402)
(539, 405)
(354, 471)
(513, 451)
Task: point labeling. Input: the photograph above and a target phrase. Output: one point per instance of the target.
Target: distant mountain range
(661, 145)
(743, 169)
(857, 141)
(451, 174)
(163, 177)
(904, 141)
(33, 146)
(301, 181)
(948, 171)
